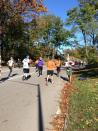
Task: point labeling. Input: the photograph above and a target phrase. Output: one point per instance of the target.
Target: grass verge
(83, 106)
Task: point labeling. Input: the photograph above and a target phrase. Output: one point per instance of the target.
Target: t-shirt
(10, 63)
(40, 63)
(25, 63)
(50, 65)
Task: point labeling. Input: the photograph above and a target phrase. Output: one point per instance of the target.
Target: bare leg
(47, 79)
(52, 79)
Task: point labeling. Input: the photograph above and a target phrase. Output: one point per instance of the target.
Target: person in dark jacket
(40, 66)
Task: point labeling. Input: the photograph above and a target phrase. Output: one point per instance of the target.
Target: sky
(60, 7)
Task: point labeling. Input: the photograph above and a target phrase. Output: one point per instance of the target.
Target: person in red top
(50, 70)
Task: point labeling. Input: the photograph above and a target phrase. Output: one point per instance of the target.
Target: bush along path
(59, 121)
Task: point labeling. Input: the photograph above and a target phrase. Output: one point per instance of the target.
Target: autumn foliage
(35, 6)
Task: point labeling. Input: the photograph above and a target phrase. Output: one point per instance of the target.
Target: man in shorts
(50, 70)
(26, 62)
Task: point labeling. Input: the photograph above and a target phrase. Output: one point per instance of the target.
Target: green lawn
(83, 106)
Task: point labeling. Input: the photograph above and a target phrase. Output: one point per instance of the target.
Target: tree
(53, 35)
(36, 6)
(83, 18)
(11, 28)
(12, 24)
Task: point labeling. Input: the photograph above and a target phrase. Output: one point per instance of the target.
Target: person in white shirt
(26, 62)
(10, 65)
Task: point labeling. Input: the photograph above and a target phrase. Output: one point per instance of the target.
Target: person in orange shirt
(58, 66)
(50, 70)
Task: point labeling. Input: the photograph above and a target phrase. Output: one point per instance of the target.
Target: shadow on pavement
(40, 114)
(24, 83)
(14, 75)
(64, 78)
(6, 78)
(55, 73)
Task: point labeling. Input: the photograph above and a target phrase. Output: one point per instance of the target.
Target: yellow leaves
(96, 119)
(34, 5)
(88, 122)
(41, 23)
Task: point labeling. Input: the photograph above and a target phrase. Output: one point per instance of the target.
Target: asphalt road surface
(28, 105)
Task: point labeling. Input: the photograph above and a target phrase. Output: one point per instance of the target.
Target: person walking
(40, 66)
(26, 62)
(10, 65)
(58, 66)
(69, 71)
(50, 70)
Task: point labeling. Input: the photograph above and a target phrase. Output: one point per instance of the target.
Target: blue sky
(59, 7)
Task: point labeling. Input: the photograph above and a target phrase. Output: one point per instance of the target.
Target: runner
(69, 71)
(40, 66)
(58, 66)
(50, 70)
(10, 64)
(26, 63)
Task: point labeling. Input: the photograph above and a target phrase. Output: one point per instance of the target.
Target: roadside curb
(59, 121)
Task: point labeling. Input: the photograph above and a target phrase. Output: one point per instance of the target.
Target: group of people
(51, 66)
(39, 63)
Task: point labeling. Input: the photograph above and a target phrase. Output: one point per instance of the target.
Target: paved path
(25, 106)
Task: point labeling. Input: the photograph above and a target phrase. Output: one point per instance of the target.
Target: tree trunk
(93, 39)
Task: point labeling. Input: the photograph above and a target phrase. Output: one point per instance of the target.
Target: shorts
(26, 70)
(69, 71)
(50, 72)
(40, 67)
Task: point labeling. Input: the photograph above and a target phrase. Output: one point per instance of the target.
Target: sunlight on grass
(83, 107)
